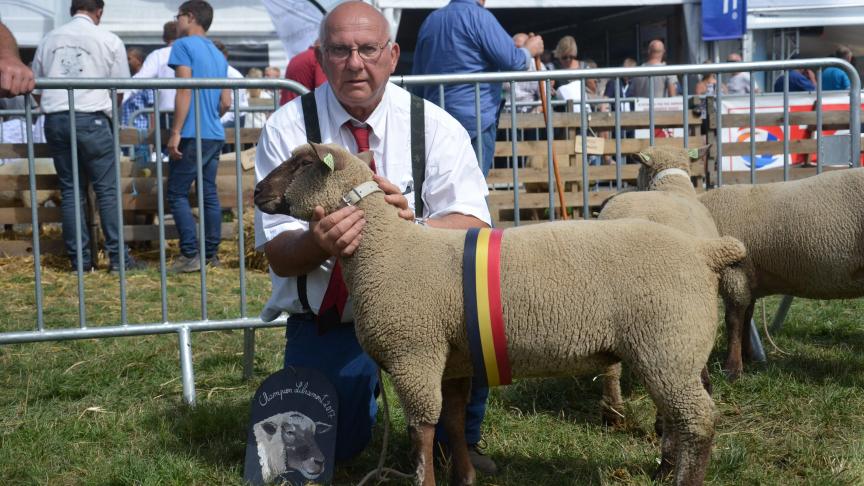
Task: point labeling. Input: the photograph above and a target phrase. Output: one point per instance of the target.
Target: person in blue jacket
(464, 37)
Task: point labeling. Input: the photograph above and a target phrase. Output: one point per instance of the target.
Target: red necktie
(333, 303)
(361, 135)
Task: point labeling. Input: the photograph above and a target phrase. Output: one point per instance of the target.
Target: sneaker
(214, 261)
(184, 264)
(88, 268)
(482, 463)
(131, 265)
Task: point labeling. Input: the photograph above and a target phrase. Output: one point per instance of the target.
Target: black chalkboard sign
(292, 429)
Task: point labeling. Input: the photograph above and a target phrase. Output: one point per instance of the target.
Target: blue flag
(723, 19)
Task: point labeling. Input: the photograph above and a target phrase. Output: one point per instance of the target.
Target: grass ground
(110, 411)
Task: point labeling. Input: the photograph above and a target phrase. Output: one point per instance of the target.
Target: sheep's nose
(258, 194)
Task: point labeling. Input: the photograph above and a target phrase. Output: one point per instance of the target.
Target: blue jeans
(96, 164)
(487, 137)
(182, 174)
(338, 355)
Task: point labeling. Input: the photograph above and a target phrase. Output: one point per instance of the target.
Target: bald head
(733, 57)
(656, 48)
(354, 14)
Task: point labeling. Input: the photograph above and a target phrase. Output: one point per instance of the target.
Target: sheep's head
(315, 175)
(657, 159)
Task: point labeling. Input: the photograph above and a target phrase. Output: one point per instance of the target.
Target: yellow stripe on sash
(483, 314)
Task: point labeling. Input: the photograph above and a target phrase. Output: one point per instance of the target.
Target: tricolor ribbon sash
(484, 318)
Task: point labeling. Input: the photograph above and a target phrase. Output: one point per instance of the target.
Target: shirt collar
(465, 1)
(377, 120)
(83, 16)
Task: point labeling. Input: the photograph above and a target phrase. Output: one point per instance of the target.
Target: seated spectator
(256, 119)
(799, 80)
(834, 78)
(624, 86)
(526, 91)
(663, 85)
(272, 72)
(739, 83)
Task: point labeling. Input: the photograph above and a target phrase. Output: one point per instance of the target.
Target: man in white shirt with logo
(359, 109)
(81, 49)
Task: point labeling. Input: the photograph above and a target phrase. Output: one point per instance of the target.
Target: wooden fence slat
(830, 119)
(765, 176)
(605, 120)
(563, 148)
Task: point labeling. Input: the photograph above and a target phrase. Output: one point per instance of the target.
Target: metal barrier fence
(183, 329)
(243, 321)
(685, 71)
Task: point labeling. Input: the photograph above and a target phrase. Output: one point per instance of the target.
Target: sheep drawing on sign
(286, 442)
(650, 289)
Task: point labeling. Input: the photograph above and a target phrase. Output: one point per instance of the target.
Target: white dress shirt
(156, 66)
(454, 182)
(79, 49)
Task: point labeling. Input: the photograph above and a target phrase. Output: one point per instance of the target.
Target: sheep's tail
(722, 253)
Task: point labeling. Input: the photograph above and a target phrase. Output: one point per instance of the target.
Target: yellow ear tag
(693, 153)
(328, 161)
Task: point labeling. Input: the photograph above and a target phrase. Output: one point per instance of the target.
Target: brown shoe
(482, 463)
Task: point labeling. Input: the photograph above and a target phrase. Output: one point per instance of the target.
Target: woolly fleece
(577, 296)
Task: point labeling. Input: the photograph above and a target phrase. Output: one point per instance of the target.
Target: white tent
(785, 14)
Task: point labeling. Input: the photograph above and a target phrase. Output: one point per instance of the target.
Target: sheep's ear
(366, 157)
(646, 159)
(327, 157)
(322, 428)
(699, 153)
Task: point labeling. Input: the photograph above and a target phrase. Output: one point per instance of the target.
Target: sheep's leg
(737, 325)
(422, 437)
(705, 378)
(613, 404)
(746, 341)
(455, 395)
(419, 390)
(690, 413)
(667, 448)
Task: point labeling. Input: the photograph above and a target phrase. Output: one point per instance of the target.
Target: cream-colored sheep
(804, 238)
(667, 196)
(577, 296)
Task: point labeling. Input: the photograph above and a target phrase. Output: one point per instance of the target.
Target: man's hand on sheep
(394, 196)
(338, 233)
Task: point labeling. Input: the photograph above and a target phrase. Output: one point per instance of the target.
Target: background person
(664, 86)
(306, 70)
(464, 37)
(195, 56)
(156, 66)
(834, 78)
(739, 83)
(82, 49)
(359, 109)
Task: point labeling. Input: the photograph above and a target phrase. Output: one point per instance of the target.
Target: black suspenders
(418, 159)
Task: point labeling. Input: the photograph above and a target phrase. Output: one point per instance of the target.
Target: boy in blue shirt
(195, 56)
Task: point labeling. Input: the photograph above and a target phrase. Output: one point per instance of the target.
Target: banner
(723, 19)
(296, 22)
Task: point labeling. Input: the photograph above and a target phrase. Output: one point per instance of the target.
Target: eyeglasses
(177, 17)
(566, 58)
(367, 52)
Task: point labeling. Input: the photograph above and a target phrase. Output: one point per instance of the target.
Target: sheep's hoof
(732, 373)
(613, 416)
(664, 471)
